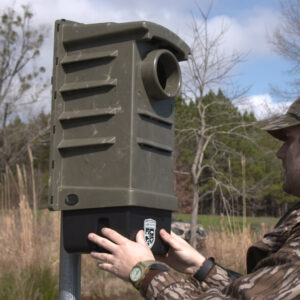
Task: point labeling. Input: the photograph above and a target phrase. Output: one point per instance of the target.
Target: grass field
(218, 223)
(30, 258)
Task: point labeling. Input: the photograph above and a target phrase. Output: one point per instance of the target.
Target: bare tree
(21, 80)
(209, 67)
(286, 42)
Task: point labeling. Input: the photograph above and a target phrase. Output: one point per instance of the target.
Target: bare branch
(21, 82)
(285, 41)
(208, 69)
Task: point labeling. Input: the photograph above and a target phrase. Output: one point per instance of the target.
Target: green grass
(213, 222)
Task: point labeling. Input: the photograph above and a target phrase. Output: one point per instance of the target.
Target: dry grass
(230, 249)
(96, 284)
(28, 249)
(29, 256)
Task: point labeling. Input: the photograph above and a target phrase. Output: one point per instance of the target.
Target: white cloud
(263, 106)
(245, 34)
(249, 34)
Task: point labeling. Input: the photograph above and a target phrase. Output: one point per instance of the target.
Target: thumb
(168, 238)
(140, 238)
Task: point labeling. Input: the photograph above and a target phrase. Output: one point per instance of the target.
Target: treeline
(240, 168)
(223, 163)
(237, 167)
(25, 146)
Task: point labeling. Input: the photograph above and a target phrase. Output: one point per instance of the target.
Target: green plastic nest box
(112, 137)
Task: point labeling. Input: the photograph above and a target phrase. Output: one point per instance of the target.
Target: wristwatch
(143, 272)
(138, 272)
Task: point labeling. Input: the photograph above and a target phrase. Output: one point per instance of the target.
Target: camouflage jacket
(273, 271)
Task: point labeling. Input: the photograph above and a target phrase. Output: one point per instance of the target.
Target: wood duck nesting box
(112, 137)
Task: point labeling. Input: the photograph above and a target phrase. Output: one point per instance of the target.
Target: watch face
(135, 273)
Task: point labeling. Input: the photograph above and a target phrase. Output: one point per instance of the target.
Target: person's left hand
(181, 255)
(124, 253)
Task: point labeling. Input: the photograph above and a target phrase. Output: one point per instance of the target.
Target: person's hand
(124, 253)
(181, 255)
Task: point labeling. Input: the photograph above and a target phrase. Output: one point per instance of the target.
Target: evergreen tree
(232, 135)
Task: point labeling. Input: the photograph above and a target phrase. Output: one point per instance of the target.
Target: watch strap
(204, 269)
(153, 270)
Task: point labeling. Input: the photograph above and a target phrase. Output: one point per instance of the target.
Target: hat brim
(276, 126)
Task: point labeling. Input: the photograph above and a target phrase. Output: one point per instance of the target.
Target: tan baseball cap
(276, 125)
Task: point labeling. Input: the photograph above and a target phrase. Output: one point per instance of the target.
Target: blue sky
(238, 9)
(260, 69)
(250, 22)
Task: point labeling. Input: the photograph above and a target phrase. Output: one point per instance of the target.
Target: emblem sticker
(149, 232)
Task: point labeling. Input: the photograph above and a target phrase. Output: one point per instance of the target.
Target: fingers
(165, 235)
(124, 253)
(103, 257)
(140, 238)
(113, 236)
(172, 239)
(175, 235)
(107, 267)
(106, 261)
(102, 242)
(168, 238)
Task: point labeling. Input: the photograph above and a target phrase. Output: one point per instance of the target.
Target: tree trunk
(194, 220)
(4, 138)
(213, 204)
(243, 162)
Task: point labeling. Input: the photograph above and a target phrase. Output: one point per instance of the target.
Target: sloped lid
(142, 30)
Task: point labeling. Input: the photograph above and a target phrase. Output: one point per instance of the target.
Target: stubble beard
(291, 182)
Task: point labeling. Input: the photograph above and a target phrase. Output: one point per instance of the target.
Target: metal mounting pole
(69, 272)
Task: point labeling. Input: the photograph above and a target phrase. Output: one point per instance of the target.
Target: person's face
(289, 153)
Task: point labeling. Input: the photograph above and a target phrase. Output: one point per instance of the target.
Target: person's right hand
(181, 255)
(123, 253)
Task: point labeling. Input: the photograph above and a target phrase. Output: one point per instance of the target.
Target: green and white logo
(149, 232)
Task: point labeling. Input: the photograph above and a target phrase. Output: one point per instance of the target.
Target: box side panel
(112, 145)
(91, 118)
(153, 143)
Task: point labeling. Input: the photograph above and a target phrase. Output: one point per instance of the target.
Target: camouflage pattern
(273, 272)
(276, 125)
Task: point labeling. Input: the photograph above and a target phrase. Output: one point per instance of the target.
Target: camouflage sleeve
(276, 277)
(218, 277)
(171, 285)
